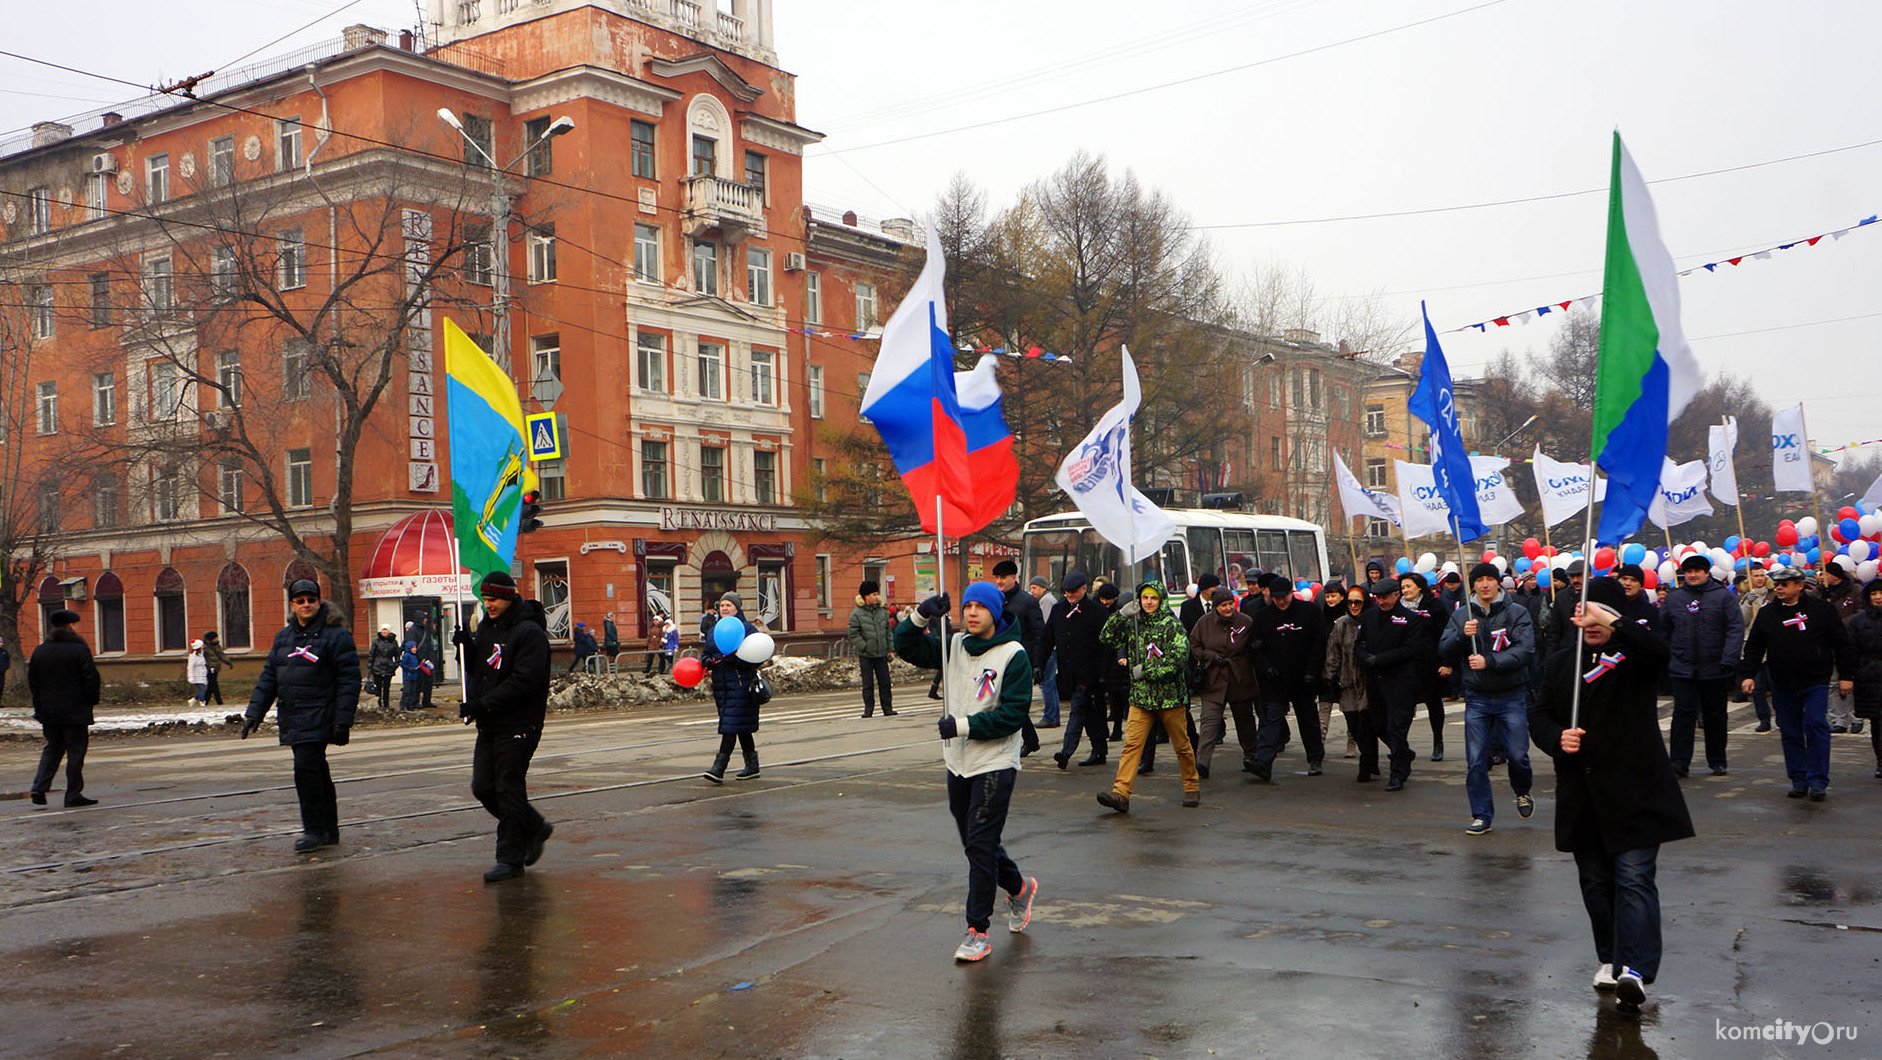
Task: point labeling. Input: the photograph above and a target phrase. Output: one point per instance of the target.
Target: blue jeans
(1623, 903)
(1049, 692)
(1803, 727)
(1503, 716)
(979, 804)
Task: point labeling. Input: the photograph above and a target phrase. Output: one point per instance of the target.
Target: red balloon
(1786, 535)
(1531, 548)
(1650, 578)
(1847, 512)
(1603, 558)
(1762, 548)
(1488, 556)
(687, 673)
(1836, 533)
(1548, 550)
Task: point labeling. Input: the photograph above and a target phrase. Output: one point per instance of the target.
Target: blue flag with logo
(1436, 403)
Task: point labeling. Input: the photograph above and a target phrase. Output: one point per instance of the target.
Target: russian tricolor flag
(944, 429)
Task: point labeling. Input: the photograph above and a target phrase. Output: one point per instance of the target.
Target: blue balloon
(1523, 563)
(1743, 563)
(727, 634)
(1731, 543)
(1542, 577)
(1404, 565)
(1633, 552)
(1850, 529)
(1810, 543)
(1816, 556)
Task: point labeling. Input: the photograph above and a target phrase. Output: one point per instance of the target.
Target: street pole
(500, 271)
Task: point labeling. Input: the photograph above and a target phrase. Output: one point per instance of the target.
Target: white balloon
(1667, 570)
(1427, 563)
(1450, 567)
(1502, 565)
(1866, 570)
(1859, 550)
(757, 648)
(1807, 525)
(1871, 524)
(1192, 589)
(1721, 558)
(1701, 546)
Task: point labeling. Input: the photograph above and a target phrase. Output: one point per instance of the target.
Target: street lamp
(500, 221)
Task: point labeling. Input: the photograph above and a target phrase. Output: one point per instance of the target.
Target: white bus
(1229, 543)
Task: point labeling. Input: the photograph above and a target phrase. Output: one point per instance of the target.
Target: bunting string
(1027, 352)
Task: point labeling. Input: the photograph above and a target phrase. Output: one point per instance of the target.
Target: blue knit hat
(987, 595)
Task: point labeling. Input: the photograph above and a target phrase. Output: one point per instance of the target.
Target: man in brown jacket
(1219, 642)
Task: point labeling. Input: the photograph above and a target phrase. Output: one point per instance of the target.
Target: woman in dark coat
(732, 692)
(312, 679)
(1865, 628)
(1616, 798)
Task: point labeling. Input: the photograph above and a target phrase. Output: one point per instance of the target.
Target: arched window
(172, 615)
(234, 610)
(108, 604)
(51, 598)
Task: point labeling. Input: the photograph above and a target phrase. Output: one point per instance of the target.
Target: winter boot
(716, 774)
(750, 772)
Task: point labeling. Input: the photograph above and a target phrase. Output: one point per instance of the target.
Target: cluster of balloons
(729, 636)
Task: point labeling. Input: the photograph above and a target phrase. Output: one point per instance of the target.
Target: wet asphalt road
(814, 912)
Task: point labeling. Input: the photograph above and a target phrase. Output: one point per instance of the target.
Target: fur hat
(63, 617)
(1696, 561)
(1630, 570)
(869, 585)
(1220, 594)
(1108, 592)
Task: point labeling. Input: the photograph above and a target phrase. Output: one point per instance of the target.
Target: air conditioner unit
(793, 262)
(104, 162)
(217, 419)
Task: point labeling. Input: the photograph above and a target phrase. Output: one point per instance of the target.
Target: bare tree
(1569, 364)
(32, 486)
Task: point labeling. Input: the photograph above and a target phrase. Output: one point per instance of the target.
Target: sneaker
(1681, 771)
(974, 947)
(1604, 977)
(1395, 784)
(1313, 768)
(1202, 771)
(1112, 801)
(1628, 987)
(1263, 771)
(1019, 907)
(1819, 794)
(1855, 728)
(1718, 771)
(1478, 826)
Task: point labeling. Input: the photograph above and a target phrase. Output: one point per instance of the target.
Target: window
(650, 361)
(712, 473)
(705, 156)
(755, 173)
(653, 470)
(104, 502)
(1375, 472)
(287, 143)
(300, 478)
(39, 299)
(545, 361)
(553, 476)
(172, 615)
(222, 272)
(104, 399)
(38, 210)
(552, 589)
(764, 377)
(1313, 389)
(706, 267)
(814, 377)
(819, 473)
(1338, 399)
(232, 595)
(157, 179)
(479, 254)
(764, 477)
(158, 284)
(296, 381)
(480, 144)
(542, 253)
(222, 161)
(823, 581)
(541, 154)
(640, 134)
(862, 387)
(1375, 421)
(97, 186)
(771, 596)
(1275, 459)
(166, 497)
(291, 258)
(865, 306)
(49, 508)
(229, 486)
(712, 371)
(758, 276)
(1300, 389)
(647, 253)
(813, 298)
(100, 299)
(48, 408)
(228, 379)
(166, 391)
(108, 597)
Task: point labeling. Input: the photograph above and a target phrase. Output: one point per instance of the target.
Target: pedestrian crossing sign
(548, 436)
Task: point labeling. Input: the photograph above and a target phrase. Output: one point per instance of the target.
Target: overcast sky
(1303, 110)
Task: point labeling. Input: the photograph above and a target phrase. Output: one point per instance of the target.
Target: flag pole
(1587, 579)
(941, 575)
(1352, 551)
(1823, 559)
(1740, 506)
(457, 600)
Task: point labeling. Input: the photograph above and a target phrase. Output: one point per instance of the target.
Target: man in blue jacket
(1490, 640)
(312, 679)
(1705, 632)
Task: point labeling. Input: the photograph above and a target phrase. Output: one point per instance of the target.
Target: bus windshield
(1051, 553)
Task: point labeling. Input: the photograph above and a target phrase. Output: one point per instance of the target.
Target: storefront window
(552, 588)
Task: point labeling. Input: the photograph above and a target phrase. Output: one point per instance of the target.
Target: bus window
(1051, 553)
(1304, 549)
(1271, 546)
(1205, 551)
(1169, 567)
(1240, 559)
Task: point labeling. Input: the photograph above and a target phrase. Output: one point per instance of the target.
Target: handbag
(760, 690)
(1195, 673)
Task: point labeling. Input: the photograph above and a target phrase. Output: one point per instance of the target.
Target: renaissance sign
(714, 519)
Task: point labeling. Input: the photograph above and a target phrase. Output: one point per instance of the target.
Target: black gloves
(1268, 674)
(934, 607)
(468, 710)
(1216, 658)
(947, 726)
(1310, 684)
(341, 734)
(250, 725)
(463, 638)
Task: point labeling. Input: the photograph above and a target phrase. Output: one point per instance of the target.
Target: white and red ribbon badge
(1603, 664)
(495, 662)
(304, 652)
(983, 685)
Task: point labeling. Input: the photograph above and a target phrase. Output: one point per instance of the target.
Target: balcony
(737, 210)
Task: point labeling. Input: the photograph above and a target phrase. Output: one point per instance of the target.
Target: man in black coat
(312, 679)
(1291, 650)
(1393, 648)
(1198, 605)
(507, 695)
(1799, 637)
(1022, 608)
(1415, 595)
(1705, 634)
(63, 682)
(1072, 637)
(1616, 799)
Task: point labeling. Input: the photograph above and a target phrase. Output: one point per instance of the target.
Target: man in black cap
(1290, 640)
(311, 677)
(1640, 608)
(63, 683)
(1073, 649)
(871, 633)
(1799, 636)
(1393, 649)
(507, 695)
(1559, 628)
(1198, 605)
(1705, 632)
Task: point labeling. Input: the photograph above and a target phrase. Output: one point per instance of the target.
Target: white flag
(1682, 495)
(1873, 496)
(1096, 476)
(1424, 511)
(1721, 440)
(1790, 454)
(1356, 500)
(1496, 498)
(1563, 487)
